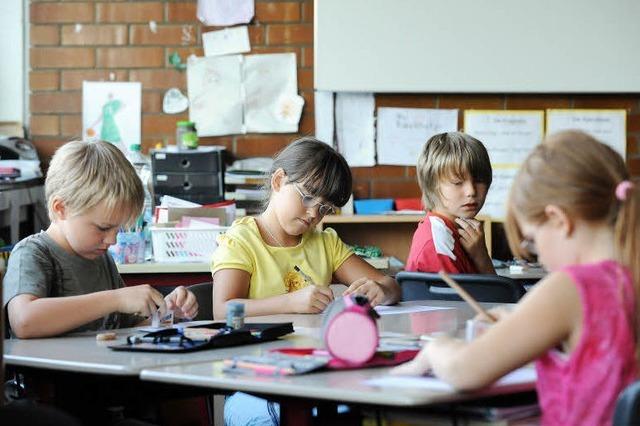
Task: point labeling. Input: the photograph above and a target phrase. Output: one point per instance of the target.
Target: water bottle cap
(135, 147)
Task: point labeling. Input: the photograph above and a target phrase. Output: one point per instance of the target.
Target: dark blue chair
(483, 287)
(628, 406)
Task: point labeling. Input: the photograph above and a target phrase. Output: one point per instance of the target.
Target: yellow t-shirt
(319, 255)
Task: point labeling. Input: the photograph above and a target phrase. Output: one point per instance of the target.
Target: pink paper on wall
(225, 12)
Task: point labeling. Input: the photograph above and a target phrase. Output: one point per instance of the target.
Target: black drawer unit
(193, 175)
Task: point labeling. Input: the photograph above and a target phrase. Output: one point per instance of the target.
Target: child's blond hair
(85, 174)
(575, 172)
(447, 155)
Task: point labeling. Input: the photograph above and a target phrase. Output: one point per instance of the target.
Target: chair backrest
(204, 296)
(483, 287)
(628, 406)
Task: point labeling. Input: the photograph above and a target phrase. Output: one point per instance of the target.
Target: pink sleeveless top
(582, 388)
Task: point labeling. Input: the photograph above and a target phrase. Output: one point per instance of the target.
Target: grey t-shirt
(39, 266)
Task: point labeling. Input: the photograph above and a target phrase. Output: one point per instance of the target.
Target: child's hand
(471, 236)
(419, 366)
(310, 300)
(142, 300)
(373, 290)
(183, 302)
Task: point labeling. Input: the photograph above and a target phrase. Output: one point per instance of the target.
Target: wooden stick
(467, 297)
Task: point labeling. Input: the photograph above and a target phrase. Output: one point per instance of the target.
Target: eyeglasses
(310, 202)
(529, 246)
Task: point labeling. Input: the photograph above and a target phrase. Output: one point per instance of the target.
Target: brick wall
(115, 42)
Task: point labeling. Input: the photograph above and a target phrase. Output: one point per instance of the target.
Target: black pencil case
(183, 340)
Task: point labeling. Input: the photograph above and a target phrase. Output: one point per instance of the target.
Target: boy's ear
(558, 218)
(58, 208)
(278, 179)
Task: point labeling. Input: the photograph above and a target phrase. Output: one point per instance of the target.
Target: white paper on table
(324, 116)
(393, 310)
(495, 205)
(272, 104)
(225, 12)
(402, 132)
(609, 126)
(111, 111)
(509, 136)
(355, 128)
(214, 87)
(520, 376)
(226, 41)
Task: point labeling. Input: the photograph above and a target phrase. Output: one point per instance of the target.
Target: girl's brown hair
(575, 172)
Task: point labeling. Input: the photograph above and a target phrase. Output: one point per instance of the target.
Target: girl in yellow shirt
(256, 259)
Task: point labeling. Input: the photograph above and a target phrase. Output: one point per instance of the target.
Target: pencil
(467, 297)
(306, 277)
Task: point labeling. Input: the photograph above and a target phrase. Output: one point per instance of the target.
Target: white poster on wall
(111, 112)
(355, 128)
(324, 114)
(402, 132)
(607, 125)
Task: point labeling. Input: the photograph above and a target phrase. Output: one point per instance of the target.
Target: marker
(306, 277)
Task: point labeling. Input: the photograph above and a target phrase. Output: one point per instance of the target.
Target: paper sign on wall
(354, 128)
(227, 41)
(324, 116)
(607, 125)
(221, 13)
(402, 132)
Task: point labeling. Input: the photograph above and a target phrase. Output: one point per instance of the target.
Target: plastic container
(175, 245)
(409, 204)
(235, 315)
(129, 248)
(373, 206)
(186, 136)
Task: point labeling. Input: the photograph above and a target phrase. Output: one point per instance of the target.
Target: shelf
(373, 218)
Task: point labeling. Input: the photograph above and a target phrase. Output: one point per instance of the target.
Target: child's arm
(233, 284)
(547, 316)
(364, 279)
(472, 240)
(31, 316)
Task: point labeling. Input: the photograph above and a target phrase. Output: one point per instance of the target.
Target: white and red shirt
(436, 247)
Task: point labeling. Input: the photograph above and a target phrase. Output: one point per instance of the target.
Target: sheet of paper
(519, 376)
(111, 112)
(272, 104)
(402, 132)
(608, 126)
(324, 115)
(509, 136)
(355, 128)
(496, 202)
(214, 87)
(227, 41)
(225, 12)
(394, 310)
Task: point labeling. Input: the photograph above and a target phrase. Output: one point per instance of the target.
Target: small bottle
(184, 128)
(235, 315)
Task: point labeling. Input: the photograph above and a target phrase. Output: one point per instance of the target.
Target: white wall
(12, 60)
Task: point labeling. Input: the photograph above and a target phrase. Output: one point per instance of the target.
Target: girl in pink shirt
(574, 205)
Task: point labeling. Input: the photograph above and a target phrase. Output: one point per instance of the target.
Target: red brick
(129, 12)
(72, 79)
(130, 57)
(471, 101)
(378, 172)
(634, 166)
(151, 101)
(309, 105)
(44, 125)
(307, 124)
(184, 53)
(46, 147)
(226, 141)
(307, 56)
(44, 80)
(361, 189)
(164, 36)
(44, 35)
(161, 124)
(56, 102)
(151, 142)
(537, 101)
(277, 12)
(406, 101)
(606, 101)
(94, 35)
(71, 126)
(307, 11)
(290, 34)
(632, 146)
(160, 78)
(411, 171)
(305, 78)
(62, 57)
(256, 35)
(51, 13)
(261, 145)
(394, 189)
(278, 49)
(181, 11)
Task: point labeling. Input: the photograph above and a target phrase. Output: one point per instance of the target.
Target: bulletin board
(471, 46)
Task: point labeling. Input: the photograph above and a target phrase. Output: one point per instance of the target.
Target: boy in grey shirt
(63, 279)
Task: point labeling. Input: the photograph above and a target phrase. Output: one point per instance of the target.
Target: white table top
(528, 274)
